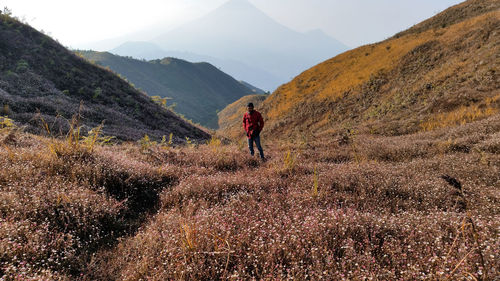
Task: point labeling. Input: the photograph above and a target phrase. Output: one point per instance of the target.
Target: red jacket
(253, 123)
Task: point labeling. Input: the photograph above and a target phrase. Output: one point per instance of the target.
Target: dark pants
(257, 143)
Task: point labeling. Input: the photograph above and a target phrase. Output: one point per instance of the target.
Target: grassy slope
(355, 207)
(421, 79)
(38, 74)
(198, 89)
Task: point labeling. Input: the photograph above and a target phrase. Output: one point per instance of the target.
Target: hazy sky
(354, 22)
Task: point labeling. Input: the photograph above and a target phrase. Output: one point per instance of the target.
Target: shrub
(22, 66)
(6, 123)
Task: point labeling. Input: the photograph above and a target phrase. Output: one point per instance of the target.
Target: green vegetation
(6, 123)
(97, 93)
(22, 66)
(197, 90)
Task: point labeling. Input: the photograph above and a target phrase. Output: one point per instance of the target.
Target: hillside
(199, 90)
(440, 73)
(254, 89)
(38, 75)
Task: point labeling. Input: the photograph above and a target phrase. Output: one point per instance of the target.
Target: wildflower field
(424, 206)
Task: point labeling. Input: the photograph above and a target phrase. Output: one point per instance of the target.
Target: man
(253, 124)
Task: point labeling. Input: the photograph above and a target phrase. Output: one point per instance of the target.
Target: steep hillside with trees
(43, 82)
(198, 90)
(442, 72)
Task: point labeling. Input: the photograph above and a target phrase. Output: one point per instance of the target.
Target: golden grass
(345, 72)
(460, 116)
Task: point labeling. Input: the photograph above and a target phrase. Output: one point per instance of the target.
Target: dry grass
(351, 207)
(61, 202)
(459, 116)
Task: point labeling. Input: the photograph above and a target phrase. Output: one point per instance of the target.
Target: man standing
(253, 124)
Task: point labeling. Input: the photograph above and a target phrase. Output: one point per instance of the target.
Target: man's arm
(261, 123)
(244, 123)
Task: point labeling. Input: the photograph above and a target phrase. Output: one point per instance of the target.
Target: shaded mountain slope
(197, 89)
(38, 74)
(235, 68)
(436, 74)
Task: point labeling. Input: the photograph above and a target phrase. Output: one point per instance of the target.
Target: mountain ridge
(37, 74)
(237, 69)
(197, 89)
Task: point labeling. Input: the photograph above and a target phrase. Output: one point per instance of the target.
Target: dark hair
(250, 104)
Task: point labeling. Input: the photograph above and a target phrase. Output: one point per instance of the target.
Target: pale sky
(353, 22)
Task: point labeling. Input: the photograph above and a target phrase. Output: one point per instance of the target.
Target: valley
(198, 90)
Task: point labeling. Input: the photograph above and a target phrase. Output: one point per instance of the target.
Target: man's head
(250, 107)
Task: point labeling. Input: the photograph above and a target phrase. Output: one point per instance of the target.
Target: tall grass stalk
(474, 233)
(315, 189)
(289, 161)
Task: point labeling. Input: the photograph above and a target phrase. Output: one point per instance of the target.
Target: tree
(7, 11)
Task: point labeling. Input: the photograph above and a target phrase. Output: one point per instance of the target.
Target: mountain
(237, 69)
(143, 50)
(440, 73)
(239, 31)
(37, 74)
(199, 90)
(253, 88)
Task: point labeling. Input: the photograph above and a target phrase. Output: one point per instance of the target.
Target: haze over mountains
(240, 34)
(199, 90)
(237, 69)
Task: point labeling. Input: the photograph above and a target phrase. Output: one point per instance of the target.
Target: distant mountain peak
(238, 9)
(239, 31)
(237, 4)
